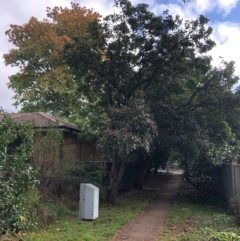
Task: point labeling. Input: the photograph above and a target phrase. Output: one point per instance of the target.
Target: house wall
(51, 154)
(76, 150)
(46, 156)
(81, 150)
(89, 152)
(71, 147)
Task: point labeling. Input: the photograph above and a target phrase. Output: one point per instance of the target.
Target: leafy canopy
(45, 82)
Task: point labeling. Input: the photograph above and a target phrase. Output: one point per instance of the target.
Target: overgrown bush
(48, 154)
(47, 212)
(66, 187)
(60, 176)
(17, 177)
(201, 174)
(85, 172)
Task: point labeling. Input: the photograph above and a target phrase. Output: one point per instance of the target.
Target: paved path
(148, 225)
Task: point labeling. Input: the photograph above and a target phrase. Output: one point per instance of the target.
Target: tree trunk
(141, 173)
(155, 168)
(149, 168)
(114, 179)
(112, 193)
(139, 183)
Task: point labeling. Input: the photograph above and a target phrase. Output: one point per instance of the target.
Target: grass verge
(199, 217)
(111, 218)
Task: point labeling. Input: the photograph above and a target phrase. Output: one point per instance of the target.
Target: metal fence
(229, 181)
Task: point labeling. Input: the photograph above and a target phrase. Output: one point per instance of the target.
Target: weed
(87, 237)
(221, 236)
(111, 218)
(199, 217)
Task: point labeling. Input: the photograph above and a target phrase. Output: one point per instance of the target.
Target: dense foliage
(142, 84)
(45, 81)
(17, 177)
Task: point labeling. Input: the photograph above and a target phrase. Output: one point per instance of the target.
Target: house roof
(41, 120)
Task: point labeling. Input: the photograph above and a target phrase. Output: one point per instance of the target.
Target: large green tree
(142, 48)
(165, 57)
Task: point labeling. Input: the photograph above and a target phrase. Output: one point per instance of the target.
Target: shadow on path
(148, 225)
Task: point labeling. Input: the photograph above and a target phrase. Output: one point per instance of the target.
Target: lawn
(111, 218)
(194, 217)
(199, 217)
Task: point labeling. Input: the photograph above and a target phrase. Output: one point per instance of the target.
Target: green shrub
(220, 236)
(201, 174)
(224, 236)
(17, 177)
(85, 172)
(65, 187)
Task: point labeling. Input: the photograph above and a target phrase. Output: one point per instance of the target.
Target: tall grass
(199, 217)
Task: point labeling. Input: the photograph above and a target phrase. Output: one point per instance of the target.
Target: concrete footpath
(148, 225)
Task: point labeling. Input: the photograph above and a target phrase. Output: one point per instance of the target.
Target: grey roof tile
(41, 120)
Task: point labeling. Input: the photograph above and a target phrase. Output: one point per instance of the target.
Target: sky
(224, 16)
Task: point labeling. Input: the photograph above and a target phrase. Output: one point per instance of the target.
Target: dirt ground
(148, 225)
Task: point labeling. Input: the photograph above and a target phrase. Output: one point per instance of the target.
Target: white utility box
(88, 201)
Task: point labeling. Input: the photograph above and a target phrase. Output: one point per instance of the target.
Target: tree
(199, 119)
(45, 82)
(142, 52)
(131, 129)
(144, 48)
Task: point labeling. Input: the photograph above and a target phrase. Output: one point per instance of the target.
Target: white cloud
(227, 36)
(6, 94)
(206, 6)
(202, 6)
(104, 7)
(226, 6)
(149, 2)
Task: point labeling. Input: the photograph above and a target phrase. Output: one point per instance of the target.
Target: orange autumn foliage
(44, 78)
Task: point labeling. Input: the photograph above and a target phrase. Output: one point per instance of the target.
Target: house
(51, 157)
(80, 150)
